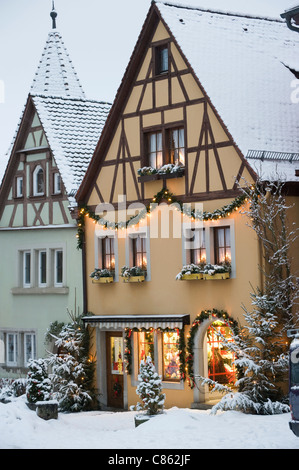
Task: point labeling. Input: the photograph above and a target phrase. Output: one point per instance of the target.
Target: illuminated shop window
(171, 360)
(117, 355)
(220, 358)
(145, 345)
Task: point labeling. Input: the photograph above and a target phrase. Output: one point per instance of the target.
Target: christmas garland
(204, 315)
(128, 348)
(163, 194)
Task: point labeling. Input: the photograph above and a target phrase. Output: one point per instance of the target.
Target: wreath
(204, 315)
(117, 389)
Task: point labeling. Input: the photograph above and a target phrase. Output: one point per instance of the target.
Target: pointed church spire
(53, 15)
(56, 75)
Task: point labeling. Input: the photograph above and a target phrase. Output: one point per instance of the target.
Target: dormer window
(38, 181)
(161, 59)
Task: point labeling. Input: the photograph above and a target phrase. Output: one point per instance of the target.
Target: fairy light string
(163, 195)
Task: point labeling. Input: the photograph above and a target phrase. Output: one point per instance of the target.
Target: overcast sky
(99, 35)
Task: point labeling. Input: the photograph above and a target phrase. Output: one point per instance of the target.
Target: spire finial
(53, 15)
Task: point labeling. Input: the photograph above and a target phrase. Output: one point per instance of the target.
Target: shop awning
(108, 322)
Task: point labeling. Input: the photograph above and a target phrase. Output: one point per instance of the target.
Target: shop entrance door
(115, 370)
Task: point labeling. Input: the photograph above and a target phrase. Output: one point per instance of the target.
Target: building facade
(176, 145)
(41, 268)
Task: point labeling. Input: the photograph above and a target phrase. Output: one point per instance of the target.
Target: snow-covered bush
(164, 170)
(150, 389)
(189, 269)
(97, 273)
(212, 269)
(39, 385)
(10, 388)
(134, 271)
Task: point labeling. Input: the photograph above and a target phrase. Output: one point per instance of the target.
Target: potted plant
(149, 391)
(190, 272)
(217, 271)
(134, 274)
(101, 276)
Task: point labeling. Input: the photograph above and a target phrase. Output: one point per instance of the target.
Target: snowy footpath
(21, 428)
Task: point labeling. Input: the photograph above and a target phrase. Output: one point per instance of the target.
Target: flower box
(190, 277)
(216, 271)
(103, 280)
(134, 279)
(102, 276)
(216, 276)
(165, 172)
(190, 272)
(134, 274)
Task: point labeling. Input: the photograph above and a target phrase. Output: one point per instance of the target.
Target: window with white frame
(12, 349)
(20, 347)
(38, 181)
(19, 186)
(26, 276)
(29, 347)
(212, 244)
(138, 249)
(57, 183)
(58, 268)
(106, 251)
(44, 267)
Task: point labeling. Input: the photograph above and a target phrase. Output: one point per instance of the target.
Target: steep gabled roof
(72, 127)
(243, 63)
(72, 123)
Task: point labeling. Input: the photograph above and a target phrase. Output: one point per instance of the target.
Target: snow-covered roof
(55, 75)
(72, 127)
(243, 63)
(72, 123)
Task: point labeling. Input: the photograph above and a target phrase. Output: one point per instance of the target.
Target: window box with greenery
(190, 272)
(134, 274)
(148, 173)
(102, 276)
(217, 271)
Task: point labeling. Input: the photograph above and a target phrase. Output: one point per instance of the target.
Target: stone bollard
(47, 409)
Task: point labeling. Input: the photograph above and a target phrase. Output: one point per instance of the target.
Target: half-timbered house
(41, 269)
(203, 107)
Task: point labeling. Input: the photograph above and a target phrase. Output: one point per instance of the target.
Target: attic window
(57, 183)
(38, 181)
(161, 59)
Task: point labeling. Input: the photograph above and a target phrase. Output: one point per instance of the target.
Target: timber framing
(207, 144)
(21, 164)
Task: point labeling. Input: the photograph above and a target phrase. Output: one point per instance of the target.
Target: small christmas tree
(149, 389)
(72, 368)
(38, 386)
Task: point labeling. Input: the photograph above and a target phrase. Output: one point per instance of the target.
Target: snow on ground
(21, 428)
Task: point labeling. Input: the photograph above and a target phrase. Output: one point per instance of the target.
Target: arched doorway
(211, 356)
(220, 357)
